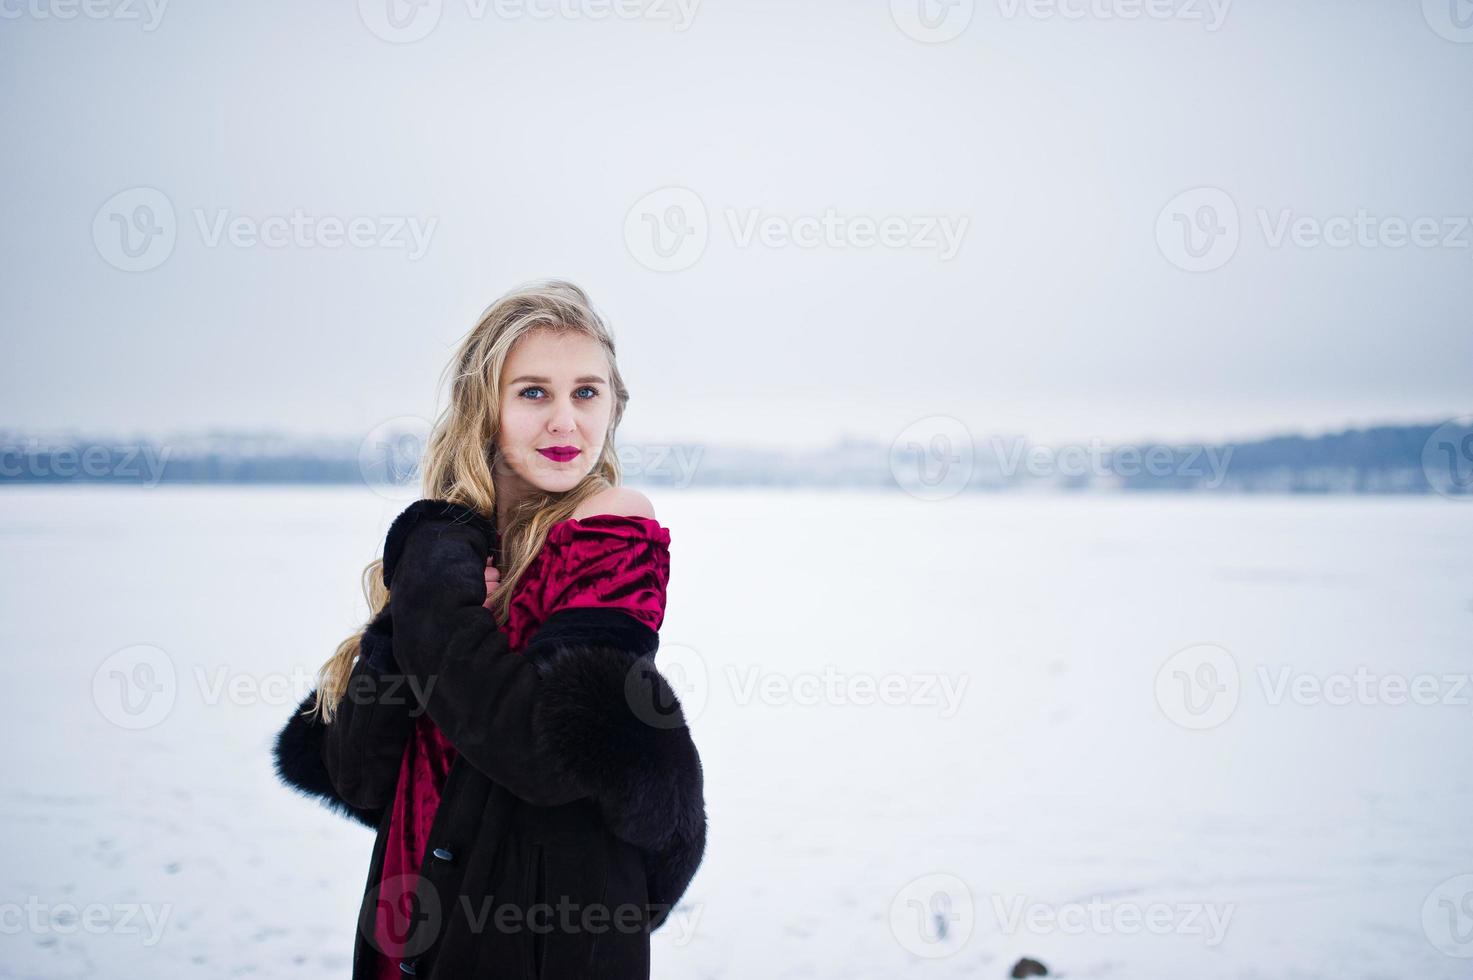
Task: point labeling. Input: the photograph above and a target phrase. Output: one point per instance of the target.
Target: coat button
(443, 854)
(407, 966)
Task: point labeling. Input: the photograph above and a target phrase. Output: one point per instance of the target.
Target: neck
(510, 490)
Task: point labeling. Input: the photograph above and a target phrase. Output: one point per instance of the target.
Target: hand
(493, 578)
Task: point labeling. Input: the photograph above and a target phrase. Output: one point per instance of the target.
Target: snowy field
(910, 713)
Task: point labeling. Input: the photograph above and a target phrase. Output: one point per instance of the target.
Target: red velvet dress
(606, 560)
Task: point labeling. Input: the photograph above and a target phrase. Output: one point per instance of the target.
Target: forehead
(555, 355)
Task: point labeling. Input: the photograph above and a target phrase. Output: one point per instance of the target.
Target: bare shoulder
(625, 501)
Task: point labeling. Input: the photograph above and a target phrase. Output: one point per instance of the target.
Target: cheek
(518, 423)
(596, 419)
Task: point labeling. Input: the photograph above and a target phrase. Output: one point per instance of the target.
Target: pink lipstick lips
(560, 454)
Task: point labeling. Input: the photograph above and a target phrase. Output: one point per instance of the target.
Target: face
(556, 403)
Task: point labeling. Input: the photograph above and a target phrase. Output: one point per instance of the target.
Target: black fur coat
(573, 817)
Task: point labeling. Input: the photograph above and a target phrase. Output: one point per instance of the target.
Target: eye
(592, 392)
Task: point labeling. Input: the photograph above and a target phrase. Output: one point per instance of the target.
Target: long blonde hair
(459, 456)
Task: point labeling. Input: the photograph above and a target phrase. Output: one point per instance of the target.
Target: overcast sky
(1024, 162)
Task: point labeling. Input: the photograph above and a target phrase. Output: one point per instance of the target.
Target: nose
(561, 422)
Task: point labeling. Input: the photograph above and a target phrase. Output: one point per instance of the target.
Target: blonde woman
(536, 794)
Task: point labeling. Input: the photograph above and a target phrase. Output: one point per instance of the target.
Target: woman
(537, 796)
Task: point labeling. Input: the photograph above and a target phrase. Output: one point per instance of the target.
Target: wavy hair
(461, 452)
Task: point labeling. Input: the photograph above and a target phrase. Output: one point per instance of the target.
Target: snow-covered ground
(1059, 779)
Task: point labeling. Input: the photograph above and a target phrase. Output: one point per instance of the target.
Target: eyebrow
(583, 380)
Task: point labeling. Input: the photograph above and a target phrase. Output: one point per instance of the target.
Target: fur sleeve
(610, 721)
(297, 754)
(352, 765)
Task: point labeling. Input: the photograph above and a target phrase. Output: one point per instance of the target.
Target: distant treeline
(1383, 459)
(1414, 459)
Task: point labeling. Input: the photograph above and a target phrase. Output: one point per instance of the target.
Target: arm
(479, 693)
(580, 712)
(363, 747)
(613, 723)
(352, 764)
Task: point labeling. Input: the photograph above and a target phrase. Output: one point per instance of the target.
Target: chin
(559, 482)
